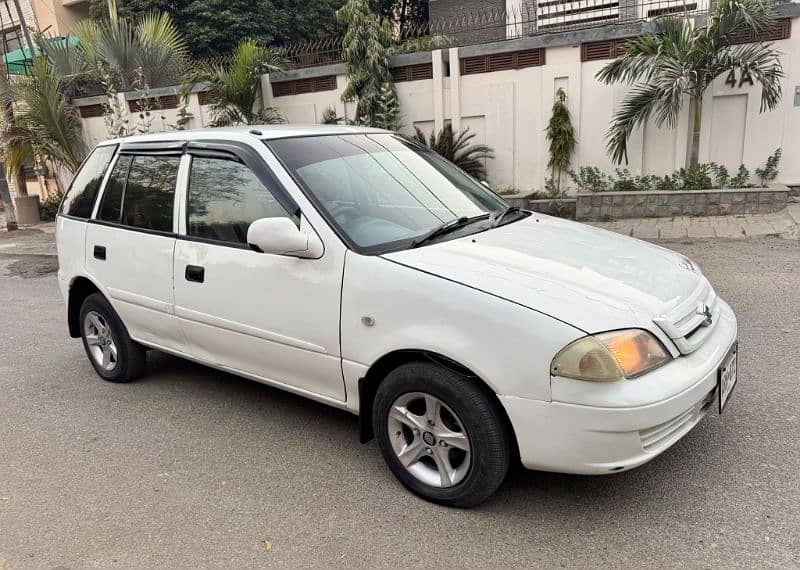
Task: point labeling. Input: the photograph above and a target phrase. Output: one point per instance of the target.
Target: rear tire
(441, 434)
(114, 356)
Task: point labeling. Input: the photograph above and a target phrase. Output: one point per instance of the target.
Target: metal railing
(531, 18)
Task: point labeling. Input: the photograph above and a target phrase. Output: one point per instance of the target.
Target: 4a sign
(744, 77)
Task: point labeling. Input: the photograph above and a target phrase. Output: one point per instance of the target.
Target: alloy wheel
(100, 340)
(429, 439)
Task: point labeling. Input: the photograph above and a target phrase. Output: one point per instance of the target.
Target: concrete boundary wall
(619, 205)
(509, 110)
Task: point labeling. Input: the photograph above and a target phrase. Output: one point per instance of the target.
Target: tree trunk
(693, 135)
(8, 203)
(403, 8)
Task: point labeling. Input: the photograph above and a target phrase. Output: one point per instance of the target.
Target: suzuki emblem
(705, 311)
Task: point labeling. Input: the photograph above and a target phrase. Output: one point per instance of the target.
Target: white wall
(509, 111)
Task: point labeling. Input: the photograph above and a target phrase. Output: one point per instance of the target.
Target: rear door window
(149, 195)
(79, 201)
(140, 192)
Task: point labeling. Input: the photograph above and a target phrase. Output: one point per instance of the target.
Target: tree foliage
(561, 135)
(365, 49)
(235, 89)
(408, 16)
(456, 148)
(120, 56)
(45, 126)
(214, 27)
(683, 59)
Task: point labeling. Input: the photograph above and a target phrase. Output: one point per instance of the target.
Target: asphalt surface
(192, 468)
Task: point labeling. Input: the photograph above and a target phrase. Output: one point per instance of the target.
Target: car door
(272, 317)
(130, 243)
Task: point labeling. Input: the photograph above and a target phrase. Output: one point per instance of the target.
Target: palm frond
(66, 60)
(161, 52)
(762, 62)
(730, 17)
(634, 111)
(235, 89)
(457, 149)
(44, 119)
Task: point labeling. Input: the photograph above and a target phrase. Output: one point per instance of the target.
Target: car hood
(590, 278)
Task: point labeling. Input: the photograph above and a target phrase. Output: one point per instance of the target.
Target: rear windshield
(82, 193)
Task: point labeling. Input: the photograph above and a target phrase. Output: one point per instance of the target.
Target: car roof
(264, 132)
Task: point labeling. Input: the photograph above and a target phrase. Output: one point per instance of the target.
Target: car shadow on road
(309, 424)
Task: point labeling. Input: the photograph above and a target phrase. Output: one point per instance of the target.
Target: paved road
(191, 468)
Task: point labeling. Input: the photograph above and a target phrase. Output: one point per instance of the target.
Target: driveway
(193, 468)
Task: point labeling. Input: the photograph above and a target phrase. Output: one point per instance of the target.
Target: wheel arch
(80, 288)
(368, 386)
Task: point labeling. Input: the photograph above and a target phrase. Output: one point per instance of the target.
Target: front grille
(685, 325)
(670, 431)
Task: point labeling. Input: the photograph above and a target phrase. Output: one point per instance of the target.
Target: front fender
(387, 307)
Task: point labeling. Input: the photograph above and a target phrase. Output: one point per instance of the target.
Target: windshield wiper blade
(446, 228)
(498, 217)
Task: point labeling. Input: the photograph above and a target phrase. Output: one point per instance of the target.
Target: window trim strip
(210, 241)
(133, 228)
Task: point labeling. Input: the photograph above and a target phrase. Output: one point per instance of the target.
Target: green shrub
(696, 177)
(742, 178)
(590, 179)
(49, 208)
(770, 171)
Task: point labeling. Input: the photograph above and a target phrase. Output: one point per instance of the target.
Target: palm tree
(235, 89)
(121, 55)
(456, 148)
(679, 61)
(44, 127)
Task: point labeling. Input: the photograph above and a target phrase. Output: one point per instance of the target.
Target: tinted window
(149, 194)
(111, 203)
(225, 197)
(83, 191)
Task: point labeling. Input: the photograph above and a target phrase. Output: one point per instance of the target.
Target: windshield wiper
(498, 217)
(446, 228)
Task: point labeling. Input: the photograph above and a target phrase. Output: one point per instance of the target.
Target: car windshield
(382, 191)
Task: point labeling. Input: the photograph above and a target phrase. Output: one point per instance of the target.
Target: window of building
(10, 39)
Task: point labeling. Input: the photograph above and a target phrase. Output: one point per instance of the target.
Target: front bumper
(596, 439)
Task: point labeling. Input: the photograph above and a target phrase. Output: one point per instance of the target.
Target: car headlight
(610, 356)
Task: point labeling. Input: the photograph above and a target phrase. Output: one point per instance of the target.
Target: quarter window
(225, 197)
(111, 203)
(149, 194)
(81, 195)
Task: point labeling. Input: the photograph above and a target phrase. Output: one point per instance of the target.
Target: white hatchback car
(357, 268)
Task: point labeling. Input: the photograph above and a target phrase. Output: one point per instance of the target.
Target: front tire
(442, 436)
(114, 356)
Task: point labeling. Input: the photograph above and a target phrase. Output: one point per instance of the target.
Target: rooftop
(262, 132)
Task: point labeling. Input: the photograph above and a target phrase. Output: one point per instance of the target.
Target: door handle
(195, 273)
(100, 252)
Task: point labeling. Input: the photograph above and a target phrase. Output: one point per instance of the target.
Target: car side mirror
(281, 236)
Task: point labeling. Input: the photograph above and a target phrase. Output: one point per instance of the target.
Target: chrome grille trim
(684, 326)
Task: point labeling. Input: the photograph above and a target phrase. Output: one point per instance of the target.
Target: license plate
(726, 375)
